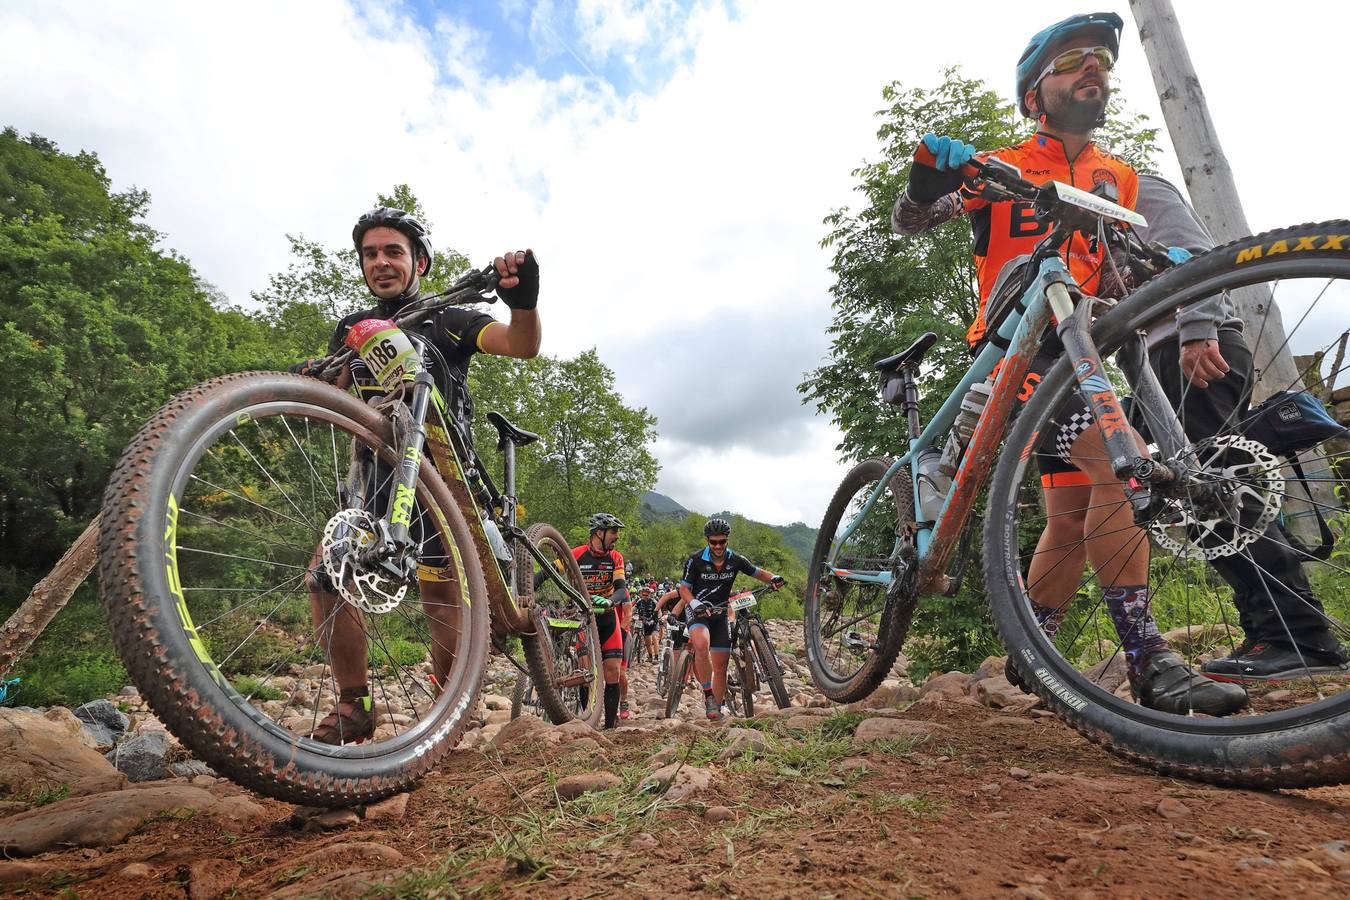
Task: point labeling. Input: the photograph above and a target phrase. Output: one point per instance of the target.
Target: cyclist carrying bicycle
(1063, 83)
(603, 568)
(395, 251)
(708, 577)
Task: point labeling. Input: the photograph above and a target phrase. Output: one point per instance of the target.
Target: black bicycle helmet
(717, 525)
(1104, 26)
(604, 521)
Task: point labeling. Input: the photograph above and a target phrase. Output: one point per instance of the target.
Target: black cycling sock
(611, 704)
(584, 695)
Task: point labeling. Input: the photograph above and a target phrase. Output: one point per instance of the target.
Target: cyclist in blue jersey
(708, 577)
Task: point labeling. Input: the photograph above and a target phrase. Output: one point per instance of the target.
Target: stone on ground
(100, 819)
(676, 781)
(573, 786)
(104, 722)
(37, 754)
(880, 729)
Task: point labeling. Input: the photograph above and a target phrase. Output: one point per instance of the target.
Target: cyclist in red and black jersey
(603, 569)
(1063, 83)
(394, 250)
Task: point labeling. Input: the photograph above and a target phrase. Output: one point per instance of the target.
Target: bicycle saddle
(911, 355)
(508, 433)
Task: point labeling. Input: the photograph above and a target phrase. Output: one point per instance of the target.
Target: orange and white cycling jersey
(1005, 230)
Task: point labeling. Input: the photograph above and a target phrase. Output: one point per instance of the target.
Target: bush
(70, 680)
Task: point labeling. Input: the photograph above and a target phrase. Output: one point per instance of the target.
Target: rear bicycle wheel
(852, 634)
(523, 699)
(209, 531)
(1223, 565)
(749, 683)
(768, 664)
(564, 678)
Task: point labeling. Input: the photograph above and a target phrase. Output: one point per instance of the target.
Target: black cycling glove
(526, 294)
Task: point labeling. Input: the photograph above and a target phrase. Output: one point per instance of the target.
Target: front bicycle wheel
(745, 664)
(1235, 590)
(231, 570)
(565, 674)
(853, 635)
(768, 664)
(663, 671)
(679, 677)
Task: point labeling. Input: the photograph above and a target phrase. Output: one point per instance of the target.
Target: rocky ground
(961, 786)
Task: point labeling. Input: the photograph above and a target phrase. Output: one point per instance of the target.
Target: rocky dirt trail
(960, 787)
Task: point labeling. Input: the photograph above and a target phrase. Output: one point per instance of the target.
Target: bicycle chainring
(1251, 486)
(348, 533)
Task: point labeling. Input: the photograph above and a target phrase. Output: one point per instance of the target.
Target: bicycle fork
(1135, 471)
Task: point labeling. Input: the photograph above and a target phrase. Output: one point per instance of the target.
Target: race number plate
(392, 358)
(743, 601)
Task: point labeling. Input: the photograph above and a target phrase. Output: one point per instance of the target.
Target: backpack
(1288, 423)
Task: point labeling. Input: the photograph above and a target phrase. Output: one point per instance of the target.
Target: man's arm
(519, 340)
(910, 217)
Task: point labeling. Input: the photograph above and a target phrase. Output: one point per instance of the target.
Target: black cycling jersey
(646, 608)
(455, 332)
(710, 584)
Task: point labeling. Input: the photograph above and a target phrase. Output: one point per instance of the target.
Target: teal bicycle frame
(1052, 289)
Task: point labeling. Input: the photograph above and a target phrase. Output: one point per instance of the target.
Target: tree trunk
(48, 597)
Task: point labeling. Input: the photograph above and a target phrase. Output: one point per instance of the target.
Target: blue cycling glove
(1178, 255)
(928, 183)
(951, 153)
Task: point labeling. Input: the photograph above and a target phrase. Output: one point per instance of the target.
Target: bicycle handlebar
(473, 286)
(1009, 181)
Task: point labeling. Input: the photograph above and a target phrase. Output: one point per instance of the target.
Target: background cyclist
(602, 568)
(394, 250)
(708, 577)
(646, 614)
(1063, 83)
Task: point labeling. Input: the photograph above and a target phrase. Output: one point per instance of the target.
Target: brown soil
(990, 805)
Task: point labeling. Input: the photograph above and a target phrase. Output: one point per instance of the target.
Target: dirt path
(952, 799)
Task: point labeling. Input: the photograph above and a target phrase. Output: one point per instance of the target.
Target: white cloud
(658, 215)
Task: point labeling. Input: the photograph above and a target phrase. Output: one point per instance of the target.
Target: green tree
(887, 292)
(99, 328)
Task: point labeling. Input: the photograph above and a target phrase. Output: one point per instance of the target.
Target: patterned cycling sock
(611, 705)
(707, 689)
(1049, 617)
(1138, 632)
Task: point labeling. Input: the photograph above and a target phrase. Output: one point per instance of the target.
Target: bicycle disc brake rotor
(1253, 486)
(348, 533)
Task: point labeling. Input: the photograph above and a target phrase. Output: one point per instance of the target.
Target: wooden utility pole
(1209, 180)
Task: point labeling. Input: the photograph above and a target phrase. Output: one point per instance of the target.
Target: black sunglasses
(720, 543)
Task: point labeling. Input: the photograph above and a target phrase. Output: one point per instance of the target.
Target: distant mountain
(658, 507)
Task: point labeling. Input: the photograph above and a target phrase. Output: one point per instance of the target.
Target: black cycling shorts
(1072, 419)
(648, 629)
(611, 635)
(719, 630)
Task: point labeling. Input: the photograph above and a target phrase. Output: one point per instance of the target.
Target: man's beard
(1077, 115)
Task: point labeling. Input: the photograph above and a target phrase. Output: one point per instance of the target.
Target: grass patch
(47, 794)
(253, 689)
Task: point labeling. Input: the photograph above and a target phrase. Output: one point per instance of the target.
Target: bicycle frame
(1052, 288)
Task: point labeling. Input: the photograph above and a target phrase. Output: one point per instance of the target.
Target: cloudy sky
(670, 161)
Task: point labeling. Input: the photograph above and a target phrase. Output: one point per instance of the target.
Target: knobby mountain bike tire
(522, 697)
(663, 671)
(749, 683)
(550, 653)
(768, 663)
(1297, 736)
(210, 522)
(852, 634)
(679, 677)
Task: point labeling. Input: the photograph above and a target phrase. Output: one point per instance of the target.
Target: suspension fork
(1135, 472)
(392, 543)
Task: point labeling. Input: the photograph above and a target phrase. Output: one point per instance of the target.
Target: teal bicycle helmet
(1105, 27)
